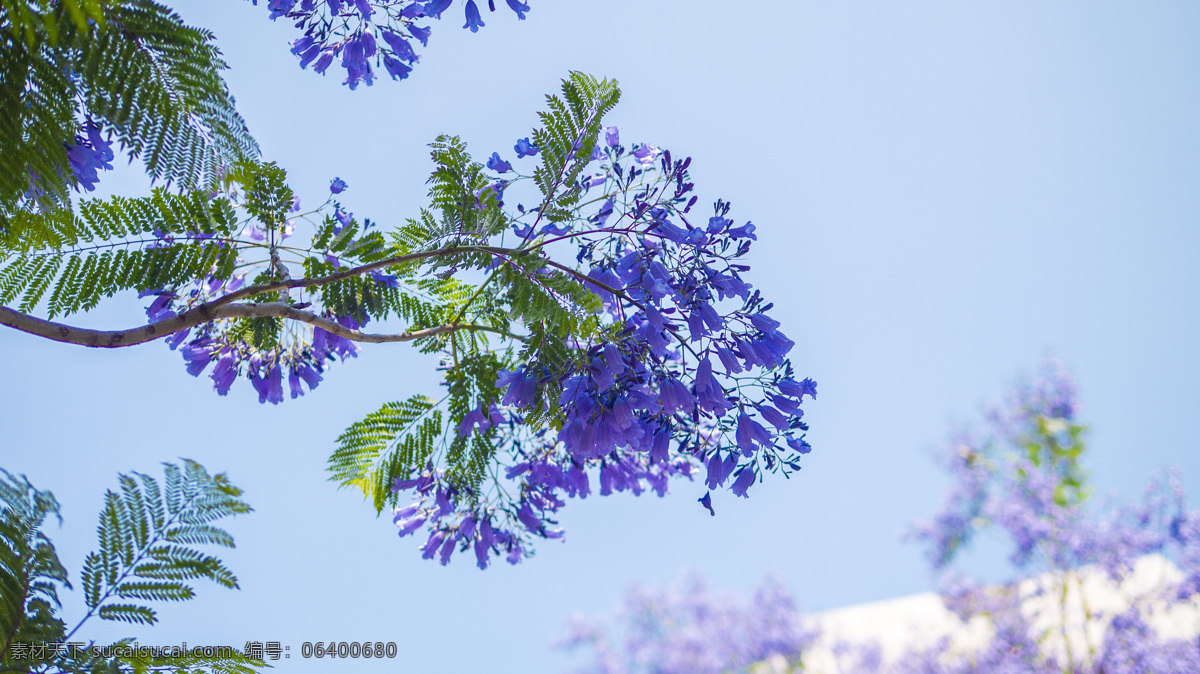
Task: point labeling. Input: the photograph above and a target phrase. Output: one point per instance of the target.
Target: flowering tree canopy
(689, 630)
(592, 321)
(1022, 479)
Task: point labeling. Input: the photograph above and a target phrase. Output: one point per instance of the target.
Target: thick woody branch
(204, 313)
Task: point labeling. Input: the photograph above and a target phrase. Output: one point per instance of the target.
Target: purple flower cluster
(300, 356)
(692, 371)
(696, 358)
(362, 32)
(455, 518)
(302, 363)
(90, 153)
(688, 630)
(453, 527)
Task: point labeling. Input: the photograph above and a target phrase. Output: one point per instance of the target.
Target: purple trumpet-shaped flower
(354, 59)
(274, 385)
(160, 308)
(395, 69)
(729, 360)
(306, 372)
(224, 374)
(434, 8)
(749, 432)
(799, 445)
(259, 384)
(408, 526)
(432, 544)
(329, 345)
(447, 550)
(294, 383)
(474, 20)
(421, 33)
(323, 61)
(405, 512)
(280, 7)
(519, 7)
(745, 432)
(645, 154)
(197, 355)
(787, 405)
(87, 156)
(746, 231)
(764, 323)
(399, 46)
(521, 386)
(303, 44)
(442, 499)
(744, 481)
(612, 136)
(527, 518)
(719, 469)
(773, 417)
(798, 390)
(309, 55)
(466, 528)
(337, 186)
(178, 338)
(473, 418)
(497, 164)
(706, 501)
(515, 553)
(606, 210)
(524, 148)
(483, 544)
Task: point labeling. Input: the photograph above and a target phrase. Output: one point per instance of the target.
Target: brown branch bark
(204, 313)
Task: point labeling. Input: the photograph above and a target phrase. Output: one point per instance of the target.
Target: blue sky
(944, 192)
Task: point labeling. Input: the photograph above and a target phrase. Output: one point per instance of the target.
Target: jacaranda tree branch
(204, 313)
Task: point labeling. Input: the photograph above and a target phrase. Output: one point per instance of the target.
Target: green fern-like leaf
(129, 613)
(79, 260)
(568, 135)
(29, 566)
(373, 452)
(146, 536)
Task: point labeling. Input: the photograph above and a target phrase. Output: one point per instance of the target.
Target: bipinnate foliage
(146, 537)
(147, 552)
(112, 245)
(30, 570)
(570, 131)
(135, 69)
(388, 441)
